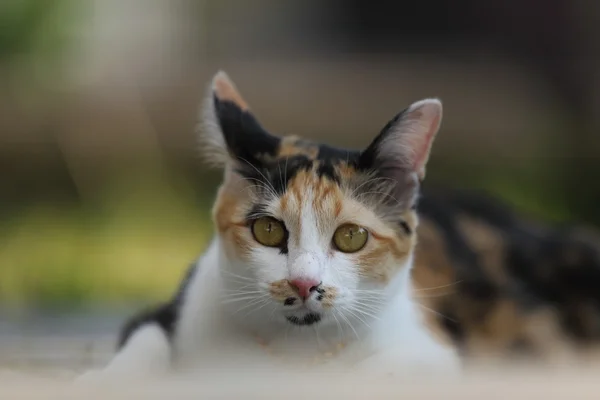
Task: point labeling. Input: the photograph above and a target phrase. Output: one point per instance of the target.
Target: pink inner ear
(423, 147)
(421, 143)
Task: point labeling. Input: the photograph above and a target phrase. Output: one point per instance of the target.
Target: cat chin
(306, 319)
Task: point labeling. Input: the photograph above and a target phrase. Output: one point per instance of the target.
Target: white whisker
(435, 312)
(350, 325)
(438, 287)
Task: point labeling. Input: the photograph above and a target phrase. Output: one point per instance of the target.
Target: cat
(310, 265)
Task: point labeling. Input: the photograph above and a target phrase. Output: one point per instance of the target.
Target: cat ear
(229, 132)
(404, 144)
(401, 150)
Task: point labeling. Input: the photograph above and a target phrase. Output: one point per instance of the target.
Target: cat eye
(350, 238)
(268, 231)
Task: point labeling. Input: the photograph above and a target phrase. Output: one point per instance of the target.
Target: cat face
(313, 233)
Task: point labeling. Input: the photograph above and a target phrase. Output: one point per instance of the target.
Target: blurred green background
(103, 200)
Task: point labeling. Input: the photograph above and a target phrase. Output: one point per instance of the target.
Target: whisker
(438, 287)
(372, 180)
(260, 305)
(350, 325)
(236, 275)
(270, 186)
(365, 307)
(435, 312)
(429, 296)
(238, 291)
(359, 318)
(235, 300)
(340, 330)
(251, 303)
(382, 193)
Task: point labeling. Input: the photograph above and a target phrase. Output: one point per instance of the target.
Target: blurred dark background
(103, 199)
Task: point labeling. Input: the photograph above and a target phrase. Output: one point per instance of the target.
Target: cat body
(311, 263)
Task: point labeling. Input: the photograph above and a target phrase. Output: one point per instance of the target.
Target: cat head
(316, 231)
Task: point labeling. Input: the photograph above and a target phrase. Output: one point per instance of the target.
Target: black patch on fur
(164, 315)
(289, 301)
(544, 266)
(450, 322)
(523, 348)
(308, 319)
(369, 158)
(320, 297)
(405, 227)
(275, 175)
(246, 139)
(335, 155)
(326, 170)
(474, 281)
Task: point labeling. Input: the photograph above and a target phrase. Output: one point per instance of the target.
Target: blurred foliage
(33, 26)
(34, 38)
(134, 247)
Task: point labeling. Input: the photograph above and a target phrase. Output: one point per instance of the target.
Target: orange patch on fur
(281, 290)
(293, 146)
(488, 243)
(329, 296)
(225, 204)
(398, 247)
(375, 260)
(345, 171)
(376, 263)
(337, 209)
(326, 195)
(225, 90)
(243, 243)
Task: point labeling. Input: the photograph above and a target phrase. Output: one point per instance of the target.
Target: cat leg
(147, 352)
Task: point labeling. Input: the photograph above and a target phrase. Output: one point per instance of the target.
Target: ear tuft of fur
(213, 148)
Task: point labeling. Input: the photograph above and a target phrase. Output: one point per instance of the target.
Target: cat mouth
(307, 319)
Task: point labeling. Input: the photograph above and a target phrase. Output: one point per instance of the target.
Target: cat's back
(502, 284)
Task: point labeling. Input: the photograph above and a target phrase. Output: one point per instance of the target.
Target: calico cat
(320, 252)
(312, 257)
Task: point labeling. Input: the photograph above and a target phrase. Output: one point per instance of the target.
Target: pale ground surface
(39, 356)
(45, 341)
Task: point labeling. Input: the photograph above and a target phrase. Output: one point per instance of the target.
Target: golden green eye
(268, 231)
(350, 238)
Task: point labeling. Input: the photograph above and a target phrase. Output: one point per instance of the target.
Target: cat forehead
(293, 145)
(297, 159)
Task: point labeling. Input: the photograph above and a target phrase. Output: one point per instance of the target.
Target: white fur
(215, 334)
(146, 353)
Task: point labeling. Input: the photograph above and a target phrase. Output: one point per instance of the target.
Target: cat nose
(304, 287)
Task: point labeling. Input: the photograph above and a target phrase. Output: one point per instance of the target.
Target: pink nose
(304, 287)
